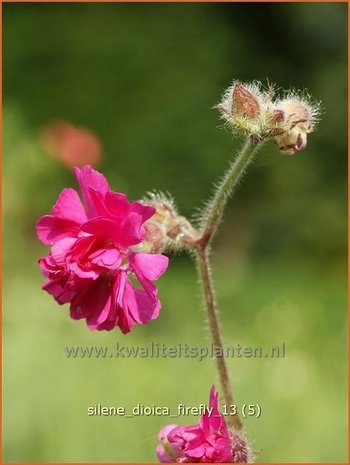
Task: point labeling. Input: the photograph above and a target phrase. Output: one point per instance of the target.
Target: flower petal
(123, 233)
(131, 231)
(116, 204)
(102, 228)
(141, 306)
(51, 229)
(146, 211)
(69, 207)
(164, 447)
(152, 266)
(107, 258)
(90, 178)
(59, 292)
(60, 249)
(91, 302)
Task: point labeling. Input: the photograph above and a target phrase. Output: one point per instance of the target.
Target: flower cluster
(248, 108)
(210, 441)
(94, 262)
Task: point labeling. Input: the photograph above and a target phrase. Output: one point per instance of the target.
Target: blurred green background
(144, 79)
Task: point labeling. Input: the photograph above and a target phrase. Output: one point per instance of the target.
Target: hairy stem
(215, 208)
(204, 271)
(210, 221)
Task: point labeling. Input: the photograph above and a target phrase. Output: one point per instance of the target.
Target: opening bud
(293, 141)
(299, 120)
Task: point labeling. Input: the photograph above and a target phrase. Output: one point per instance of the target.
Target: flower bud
(296, 112)
(244, 103)
(241, 107)
(166, 228)
(299, 121)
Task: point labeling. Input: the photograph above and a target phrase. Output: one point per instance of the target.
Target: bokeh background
(144, 78)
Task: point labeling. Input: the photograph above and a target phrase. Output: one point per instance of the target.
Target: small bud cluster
(250, 109)
(167, 229)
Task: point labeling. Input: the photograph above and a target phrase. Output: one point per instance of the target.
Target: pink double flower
(210, 441)
(94, 264)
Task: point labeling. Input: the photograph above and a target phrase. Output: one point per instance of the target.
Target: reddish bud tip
(244, 102)
(277, 116)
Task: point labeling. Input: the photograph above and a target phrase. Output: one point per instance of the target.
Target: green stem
(211, 219)
(214, 211)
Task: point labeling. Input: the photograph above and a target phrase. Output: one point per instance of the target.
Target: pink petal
(124, 318)
(60, 249)
(162, 455)
(84, 273)
(141, 306)
(196, 448)
(82, 247)
(112, 205)
(146, 211)
(51, 229)
(117, 292)
(47, 265)
(101, 314)
(124, 235)
(116, 204)
(103, 228)
(131, 231)
(91, 302)
(215, 418)
(163, 433)
(152, 266)
(97, 200)
(125, 322)
(107, 258)
(59, 292)
(147, 285)
(69, 207)
(89, 178)
(176, 434)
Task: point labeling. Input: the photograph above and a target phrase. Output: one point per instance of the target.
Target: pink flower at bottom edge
(94, 264)
(209, 441)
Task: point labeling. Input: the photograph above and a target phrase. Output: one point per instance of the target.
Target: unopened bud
(244, 103)
(166, 228)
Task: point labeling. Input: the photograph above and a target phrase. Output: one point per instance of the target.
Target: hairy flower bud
(244, 103)
(167, 229)
(241, 108)
(299, 120)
